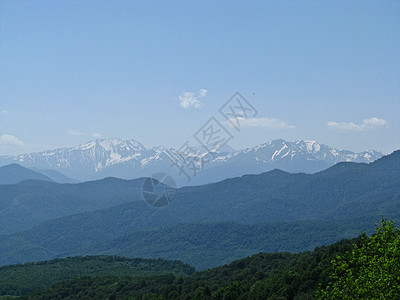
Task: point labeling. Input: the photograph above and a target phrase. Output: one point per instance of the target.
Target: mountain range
(128, 159)
(32, 201)
(15, 173)
(205, 225)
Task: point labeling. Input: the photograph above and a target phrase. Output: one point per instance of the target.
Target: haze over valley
(199, 150)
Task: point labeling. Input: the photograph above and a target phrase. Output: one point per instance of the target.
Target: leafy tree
(371, 270)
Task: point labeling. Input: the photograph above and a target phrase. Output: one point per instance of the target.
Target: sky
(157, 71)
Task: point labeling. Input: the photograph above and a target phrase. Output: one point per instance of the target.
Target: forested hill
(102, 277)
(367, 267)
(20, 279)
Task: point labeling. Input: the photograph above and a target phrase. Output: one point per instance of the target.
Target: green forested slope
(209, 245)
(20, 279)
(365, 267)
(261, 276)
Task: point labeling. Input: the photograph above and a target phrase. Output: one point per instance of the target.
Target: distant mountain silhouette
(31, 201)
(15, 173)
(57, 176)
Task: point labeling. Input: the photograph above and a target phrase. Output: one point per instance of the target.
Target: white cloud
(203, 93)
(7, 140)
(269, 123)
(73, 132)
(190, 99)
(350, 126)
(375, 122)
(96, 135)
(5, 111)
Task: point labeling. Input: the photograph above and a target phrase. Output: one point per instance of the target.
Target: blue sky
(156, 71)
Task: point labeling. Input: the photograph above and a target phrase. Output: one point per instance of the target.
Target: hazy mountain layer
(130, 159)
(302, 210)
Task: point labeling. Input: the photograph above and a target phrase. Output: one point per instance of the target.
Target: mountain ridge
(349, 194)
(15, 173)
(32, 201)
(130, 159)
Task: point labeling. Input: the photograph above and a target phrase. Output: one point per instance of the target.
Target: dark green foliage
(261, 276)
(366, 267)
(155, 287)
(371, 270)
(20, 279)
(209, 245)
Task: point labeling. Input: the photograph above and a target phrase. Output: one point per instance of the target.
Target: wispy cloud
(74, 132)
(96, 135)
(5, 111)
(203, 93)
(269, 123)
(7, 140)
(190, 99)
(350, 126)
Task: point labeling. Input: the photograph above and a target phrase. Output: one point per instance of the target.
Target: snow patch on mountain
(130, 159)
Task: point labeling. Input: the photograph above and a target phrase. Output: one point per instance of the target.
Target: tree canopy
(371, 270)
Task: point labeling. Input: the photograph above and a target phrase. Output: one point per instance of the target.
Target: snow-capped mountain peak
(276, 150)
(127, 158)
